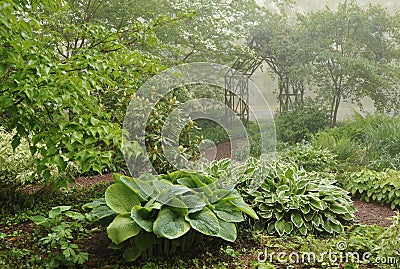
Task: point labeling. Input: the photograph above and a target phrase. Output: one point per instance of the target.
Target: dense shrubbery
(310, 158)
(301, 122)
(291, 201)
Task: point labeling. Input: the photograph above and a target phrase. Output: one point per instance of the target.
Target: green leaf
(75, 215)
(204, 222)
(280, 227)
(143, 217)
(56, 211)
(6, 102)
(139, 186)
(120, 198)
(296, 220)
(244, 207)
(227, 211)
(227, 230)
(122, 228)
(38, 219)
(170, 223)
(338, 209)
(15, 143)
(131, 254)
(145, 241)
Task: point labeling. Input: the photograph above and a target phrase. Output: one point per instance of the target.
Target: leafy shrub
(19, 165)
(291, 201)
(301, 122)
(379, 186)
(188, 140)
(310, 158)
(59, 229)
(337, 142)
(174, 219)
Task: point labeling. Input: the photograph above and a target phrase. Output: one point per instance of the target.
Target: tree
(276, 41)
(56, 73)
(353, 53)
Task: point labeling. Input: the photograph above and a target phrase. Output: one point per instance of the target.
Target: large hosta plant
(157, 215)
(291, 201)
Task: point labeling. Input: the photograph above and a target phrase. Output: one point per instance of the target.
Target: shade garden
(68, 199)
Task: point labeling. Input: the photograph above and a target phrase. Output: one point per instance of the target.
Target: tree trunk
(335, 112)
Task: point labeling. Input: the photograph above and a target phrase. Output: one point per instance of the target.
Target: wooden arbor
(237, 87)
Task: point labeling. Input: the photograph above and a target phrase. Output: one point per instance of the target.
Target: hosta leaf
(266, 215)
(227, 211)
(280, 227)
(131, 254)
(316, 203)
(102, 212)
(303, 230)
(191, 182)
(227, 230)
(193, 202)
(120, 198)
(279, 215)
(338, 209)
(170, 223)
(122, 228)
(296, 219)
(337, 227)
(142, 188)
(204, 222)
(244, 207)
(143, 217)
(145, 241)
(327, 225)
(271, 227)
(305, 209)
(288, 227)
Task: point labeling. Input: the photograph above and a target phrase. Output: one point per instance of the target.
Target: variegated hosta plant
(291, 201)
(157, 215)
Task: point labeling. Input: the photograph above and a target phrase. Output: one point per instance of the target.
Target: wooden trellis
(237, 87)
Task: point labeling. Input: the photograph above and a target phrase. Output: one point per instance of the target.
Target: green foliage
(158, 215)
(372, 141)
(55, 92)
(291, 201)
(310, 158)
(390, 245)
(59, 229)
(301, 122)
(382, 187)
(353, 57)
(18, 165)
(188, 139)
